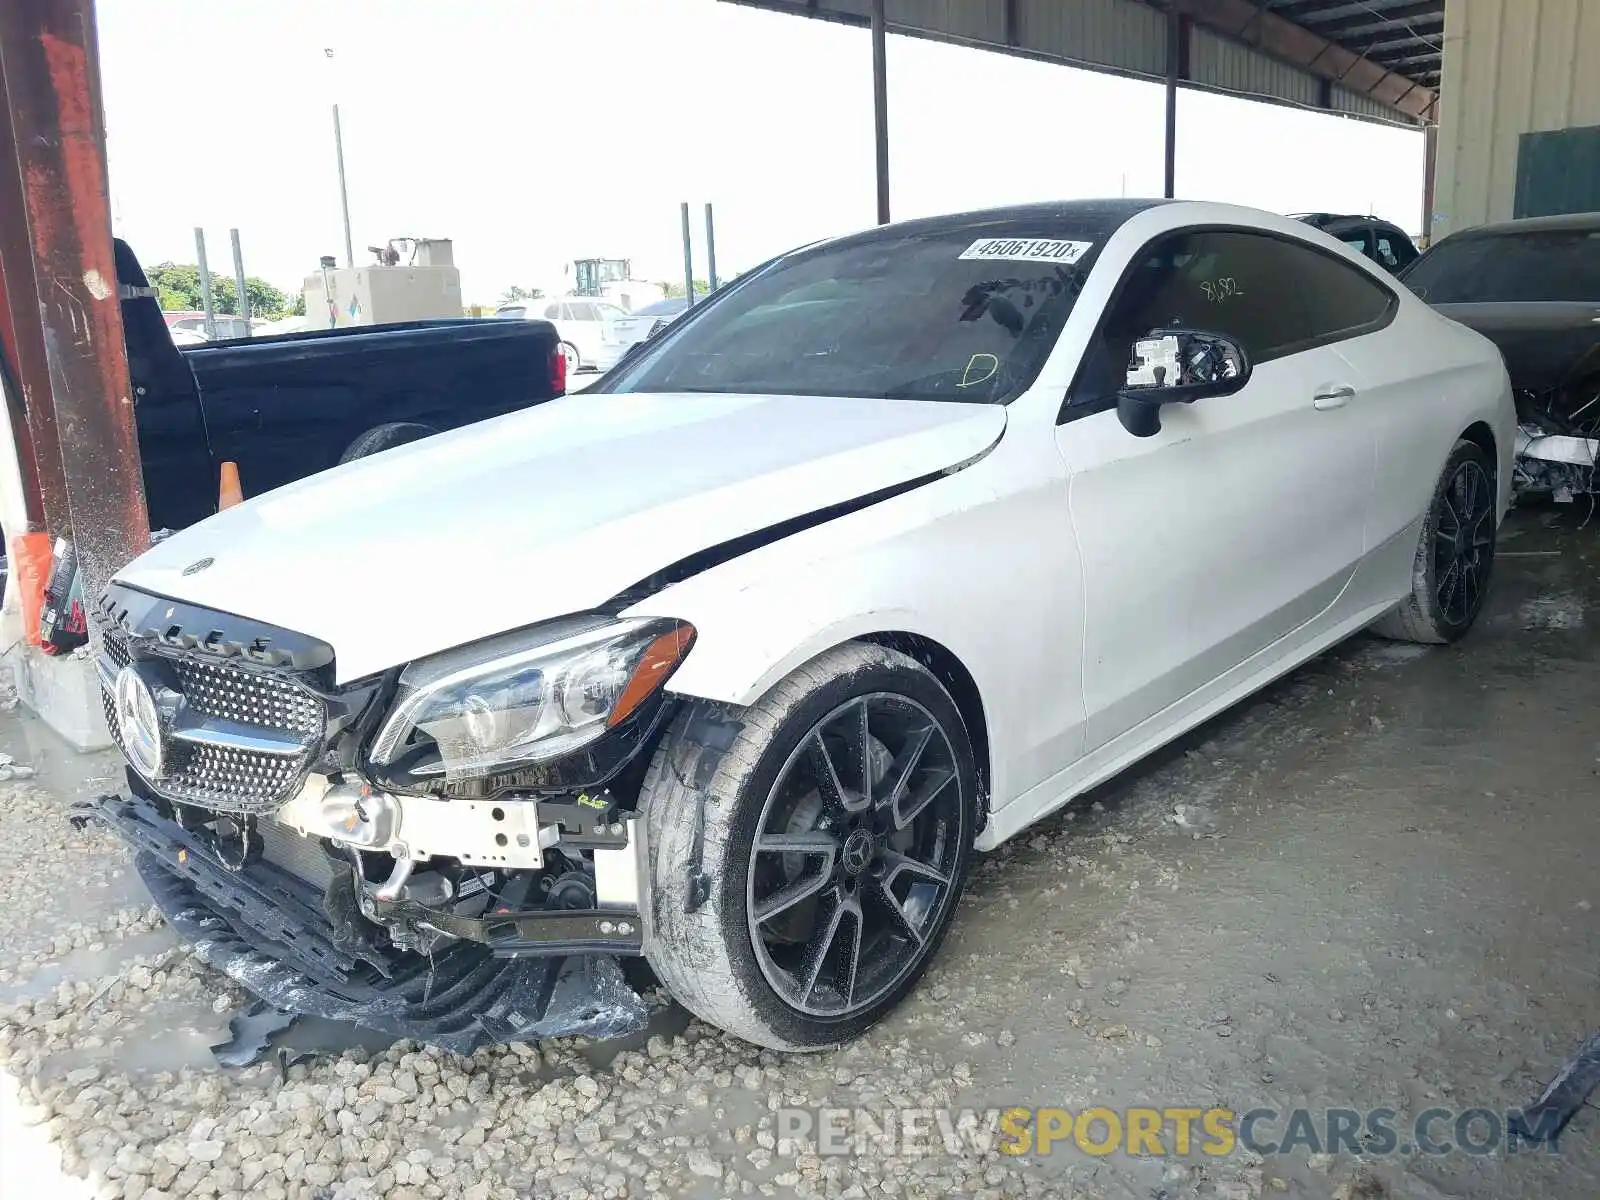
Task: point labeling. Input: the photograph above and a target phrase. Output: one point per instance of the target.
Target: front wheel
(1455, 555)
(807, 853)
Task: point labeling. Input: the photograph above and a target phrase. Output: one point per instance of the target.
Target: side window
(1358, 242)
(1274, 296)
(1386, 254)
(583, 312)
(1397, 248)
(1342, 300)
(1240, 284)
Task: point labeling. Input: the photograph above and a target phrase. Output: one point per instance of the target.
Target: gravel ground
(1372, 886)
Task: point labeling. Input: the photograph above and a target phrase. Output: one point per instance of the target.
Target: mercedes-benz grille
(235, 737)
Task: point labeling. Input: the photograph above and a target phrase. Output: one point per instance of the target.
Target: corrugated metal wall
(1124, 37)
(1510, 67)
(1115, 33)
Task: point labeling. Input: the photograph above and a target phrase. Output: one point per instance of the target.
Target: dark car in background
(1533, 288)
(1384, 243)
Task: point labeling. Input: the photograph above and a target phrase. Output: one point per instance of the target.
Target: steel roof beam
(1272, 34)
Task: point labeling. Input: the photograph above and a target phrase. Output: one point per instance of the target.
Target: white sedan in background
(589, 329)
(651, 319)
(909, 539)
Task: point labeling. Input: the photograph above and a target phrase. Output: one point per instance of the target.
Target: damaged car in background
(723, 669)
(1533, 288)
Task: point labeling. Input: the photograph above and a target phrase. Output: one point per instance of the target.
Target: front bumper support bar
(272, 933)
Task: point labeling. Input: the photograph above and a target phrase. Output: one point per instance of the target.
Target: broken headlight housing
(522, 699)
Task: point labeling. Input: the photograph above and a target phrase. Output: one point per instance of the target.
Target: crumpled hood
(542, 513)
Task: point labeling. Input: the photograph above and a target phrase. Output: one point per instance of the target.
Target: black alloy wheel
(1454, 558)
(855, 857)
(1464, 543)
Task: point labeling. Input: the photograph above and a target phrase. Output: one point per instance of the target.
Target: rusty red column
(49, 65)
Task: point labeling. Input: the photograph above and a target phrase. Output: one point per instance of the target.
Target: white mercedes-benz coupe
(891, 548)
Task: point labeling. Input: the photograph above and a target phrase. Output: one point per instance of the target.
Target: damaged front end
(1552, 354)
(437, 853)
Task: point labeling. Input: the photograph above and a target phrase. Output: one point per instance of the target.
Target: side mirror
(1177, 366)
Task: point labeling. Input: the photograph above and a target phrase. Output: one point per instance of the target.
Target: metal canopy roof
(1374, 59)
(1406, 36)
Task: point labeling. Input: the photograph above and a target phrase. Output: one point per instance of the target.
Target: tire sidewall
(1427, 570)
(386, 437)
(730, 877)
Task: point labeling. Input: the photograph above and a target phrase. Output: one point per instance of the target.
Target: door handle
(1332, 396)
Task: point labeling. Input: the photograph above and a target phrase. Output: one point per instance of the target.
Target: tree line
(178, 287)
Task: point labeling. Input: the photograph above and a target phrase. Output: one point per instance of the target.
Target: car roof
(1096, 217)
(1324, 220)
(1565, 223)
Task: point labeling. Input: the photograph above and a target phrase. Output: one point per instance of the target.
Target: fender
(938, 562)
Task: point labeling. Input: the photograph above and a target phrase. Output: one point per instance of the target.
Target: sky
(533, 132)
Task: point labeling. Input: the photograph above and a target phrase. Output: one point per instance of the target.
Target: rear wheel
(385, 437)
(807, 853)
(574, 359)
(1455, 556)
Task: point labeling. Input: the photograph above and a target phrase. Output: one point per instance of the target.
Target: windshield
(925, 315)
(510, 312)
(1510, 268)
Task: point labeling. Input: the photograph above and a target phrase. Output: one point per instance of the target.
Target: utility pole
(344, 194)
(688, 257)
(243, 303)
(711, 250)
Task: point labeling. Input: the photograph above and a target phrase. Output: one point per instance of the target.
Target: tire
(1447, 588)
(712, 786)
(574, 359)
(385, 437)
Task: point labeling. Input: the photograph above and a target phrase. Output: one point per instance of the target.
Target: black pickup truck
(288, 406)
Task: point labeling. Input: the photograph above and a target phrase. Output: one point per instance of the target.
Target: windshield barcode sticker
(1027, 250)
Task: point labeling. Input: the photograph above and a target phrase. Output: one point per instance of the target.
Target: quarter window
(1340, 301)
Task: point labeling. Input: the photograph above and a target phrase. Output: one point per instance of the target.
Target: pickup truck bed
(288, 406)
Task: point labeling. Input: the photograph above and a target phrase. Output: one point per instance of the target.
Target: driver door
(1242, 518)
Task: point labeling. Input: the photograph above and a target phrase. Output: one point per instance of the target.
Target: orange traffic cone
(230, 493)
(30, 566)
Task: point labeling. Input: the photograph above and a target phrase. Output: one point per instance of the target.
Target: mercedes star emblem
(857, 852)
(139, 723)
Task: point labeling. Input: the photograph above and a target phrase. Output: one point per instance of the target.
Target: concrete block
(63, 692)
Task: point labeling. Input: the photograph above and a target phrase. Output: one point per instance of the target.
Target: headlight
(527, 697)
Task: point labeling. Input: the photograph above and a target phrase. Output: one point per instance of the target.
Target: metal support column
(880, 106)
(1430, 167)
(207, 303)
(711, 250)
(1175, 33)
(241, 292)
(51, 72)
(688, 256)
(32, 415)
(344, 194)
